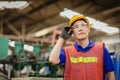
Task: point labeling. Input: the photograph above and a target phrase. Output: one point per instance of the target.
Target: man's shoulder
(99, 44)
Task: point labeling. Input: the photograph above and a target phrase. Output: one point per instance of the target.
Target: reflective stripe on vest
(83, 59)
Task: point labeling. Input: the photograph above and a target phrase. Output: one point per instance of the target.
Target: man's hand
(66, 32)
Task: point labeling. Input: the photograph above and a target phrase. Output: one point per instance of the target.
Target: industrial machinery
(116, 60)
(3, 53)
(37, 53)
(20, 53)
(20, 58)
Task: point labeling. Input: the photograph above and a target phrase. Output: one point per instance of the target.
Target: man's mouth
(80, 33)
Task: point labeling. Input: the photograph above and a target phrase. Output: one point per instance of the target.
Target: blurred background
(30, 28)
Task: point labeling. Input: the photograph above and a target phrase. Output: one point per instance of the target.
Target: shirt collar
(79, 47)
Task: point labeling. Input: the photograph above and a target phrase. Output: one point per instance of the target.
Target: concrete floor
(36, 78)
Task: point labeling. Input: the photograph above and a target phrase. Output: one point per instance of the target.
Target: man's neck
(83, 43)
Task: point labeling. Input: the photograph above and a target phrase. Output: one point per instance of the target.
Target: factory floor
(36, 78)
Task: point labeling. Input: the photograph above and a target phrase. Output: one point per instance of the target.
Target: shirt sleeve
(108, 64)
(62, 56)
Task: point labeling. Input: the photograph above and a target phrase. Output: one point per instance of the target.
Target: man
(85, 60)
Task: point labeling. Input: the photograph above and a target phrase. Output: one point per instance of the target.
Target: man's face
(80, 30)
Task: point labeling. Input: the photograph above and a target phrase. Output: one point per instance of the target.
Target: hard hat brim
(76, 18)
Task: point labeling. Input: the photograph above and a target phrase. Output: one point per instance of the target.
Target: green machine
(19, 51)
(50, 48)
(37, 53)
(42, 62)
(3, 47)
(53, 68)
(37, 50)
(4, 57)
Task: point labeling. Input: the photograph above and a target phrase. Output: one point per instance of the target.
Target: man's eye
(83, 25)
(75, 26)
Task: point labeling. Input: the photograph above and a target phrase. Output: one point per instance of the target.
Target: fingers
(69, 31)
(66, 32)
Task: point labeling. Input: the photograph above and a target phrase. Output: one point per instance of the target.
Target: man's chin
(81, 38)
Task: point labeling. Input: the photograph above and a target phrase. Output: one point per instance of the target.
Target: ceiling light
(68, 13)
(96, 24)
(13, 4)
(104, 27)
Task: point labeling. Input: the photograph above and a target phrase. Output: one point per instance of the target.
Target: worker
(85, 60)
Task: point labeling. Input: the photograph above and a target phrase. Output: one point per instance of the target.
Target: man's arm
(110, 75)
(108, 65)
(55, 53)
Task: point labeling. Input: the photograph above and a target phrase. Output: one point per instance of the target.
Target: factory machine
(116, 60)
(20, 59)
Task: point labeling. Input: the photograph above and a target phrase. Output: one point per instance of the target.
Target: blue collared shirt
(108, 64)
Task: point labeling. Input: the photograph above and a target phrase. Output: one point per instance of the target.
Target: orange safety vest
(84, 66)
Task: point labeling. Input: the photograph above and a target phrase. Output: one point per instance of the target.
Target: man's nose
(80, 28)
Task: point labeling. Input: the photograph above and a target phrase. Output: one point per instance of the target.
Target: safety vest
(84, 66)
